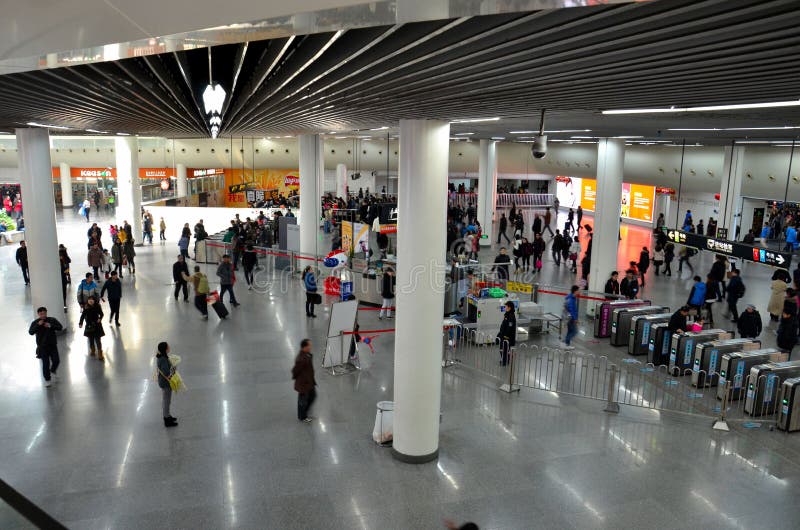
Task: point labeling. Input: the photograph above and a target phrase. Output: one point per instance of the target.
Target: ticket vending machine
(789, 413)
(603, 312)
(736, 367)
(681, 350)
(708, 358)
(659, 344)
(621, 321)
(639, 337)
(764, 385)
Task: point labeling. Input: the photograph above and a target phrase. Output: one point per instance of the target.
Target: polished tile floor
(93, 451)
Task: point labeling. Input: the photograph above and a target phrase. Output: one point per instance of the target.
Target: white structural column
(36, 183)
(341, 180)
(422, 220)
(730, 194)
(487, 188)
(610, 161)
(129, 191)
(310, 169)
(66, 185)
(181, 181)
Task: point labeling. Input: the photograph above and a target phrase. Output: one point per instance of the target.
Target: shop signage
(665, 191)
(237, 188)
(766, 256)
(291, 182)
(519, 287)
(94, 173)
(255, 195)
(388, 229)
(207, 172)
(155, 173)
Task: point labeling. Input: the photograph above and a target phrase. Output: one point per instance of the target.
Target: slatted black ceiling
(574, 62)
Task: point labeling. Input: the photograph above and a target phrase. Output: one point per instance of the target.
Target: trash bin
(382, 432)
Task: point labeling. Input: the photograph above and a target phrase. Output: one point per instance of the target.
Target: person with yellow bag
(168, 381)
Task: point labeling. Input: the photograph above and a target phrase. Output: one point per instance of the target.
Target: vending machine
(602, 314)
(764, 383)
(639, 337)
(621, 321)
(659, 344)
(736, 367)
(708, 357)
(681, 351)
(789, 413)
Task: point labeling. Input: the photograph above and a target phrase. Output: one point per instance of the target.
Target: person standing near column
(310, 284)
(22, 261)
(387, 293)
(304, 382)
(114, 288)
(165, 371)
(503, 226)
(45, 329)
(179, 270)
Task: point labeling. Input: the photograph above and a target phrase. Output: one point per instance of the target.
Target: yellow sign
(519, 287)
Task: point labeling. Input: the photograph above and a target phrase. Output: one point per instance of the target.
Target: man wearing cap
(677, 322)
(749, 323)
(45, 328)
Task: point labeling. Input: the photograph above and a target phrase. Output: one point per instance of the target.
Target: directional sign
(763, 255)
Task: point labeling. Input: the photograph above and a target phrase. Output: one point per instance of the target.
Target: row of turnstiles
(713, 357)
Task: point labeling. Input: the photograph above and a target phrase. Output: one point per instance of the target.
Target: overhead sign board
(767, 256)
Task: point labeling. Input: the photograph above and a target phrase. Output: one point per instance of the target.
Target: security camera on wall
(539, 147)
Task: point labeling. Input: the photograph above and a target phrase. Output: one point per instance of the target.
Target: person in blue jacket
(765, 233)
(310, 283)
(697, 296)
(571, 316)
(791, 239)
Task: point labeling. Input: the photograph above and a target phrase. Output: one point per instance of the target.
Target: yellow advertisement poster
(347, 236)
(282, 180)
(588, 194)
(355, 234)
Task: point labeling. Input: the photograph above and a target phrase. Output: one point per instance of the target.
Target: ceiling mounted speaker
(749, 175)
(795, 178)
(710, 172)
(661, 170)
(692, 171)
(772, 177)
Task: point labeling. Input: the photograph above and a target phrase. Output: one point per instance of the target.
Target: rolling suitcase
(220, 309)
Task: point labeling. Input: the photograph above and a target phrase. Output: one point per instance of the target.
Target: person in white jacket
(658, 257)
(574, 252)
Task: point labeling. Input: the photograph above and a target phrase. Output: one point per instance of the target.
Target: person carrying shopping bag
(168, 381)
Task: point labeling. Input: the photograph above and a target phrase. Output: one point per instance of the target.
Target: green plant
(7, 220)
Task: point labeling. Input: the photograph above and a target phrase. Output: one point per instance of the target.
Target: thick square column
(610, 162)
(487, 189)
(730, 193)
(311, 172)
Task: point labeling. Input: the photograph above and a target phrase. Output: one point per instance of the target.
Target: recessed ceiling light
(622, 137)
(46, 125)
(475, 120)
(96, 131)
(552, 132)
(123, 134)
(464, 134)
(379, 128)
(707, 108)
(498, 137)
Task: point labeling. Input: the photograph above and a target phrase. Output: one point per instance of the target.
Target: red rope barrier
(364, 332)
(578, 296)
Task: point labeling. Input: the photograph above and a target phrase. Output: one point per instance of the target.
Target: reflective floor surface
(93, 451)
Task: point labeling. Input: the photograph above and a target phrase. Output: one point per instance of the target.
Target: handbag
(315, 298)
(175, 381)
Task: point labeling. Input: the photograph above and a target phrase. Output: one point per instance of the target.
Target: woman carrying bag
(167, 382)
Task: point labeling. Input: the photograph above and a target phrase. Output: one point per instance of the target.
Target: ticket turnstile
(621, 321)
(708, 358)
(681, 350)
(789, 413)
(764, 385)
(736, 367)
(603, 312)
(639, 337)
(659, 344)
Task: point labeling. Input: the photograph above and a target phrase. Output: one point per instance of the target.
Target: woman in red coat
(7, 204)
(304, 382)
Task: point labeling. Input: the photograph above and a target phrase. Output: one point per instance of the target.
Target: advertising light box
(636, 201)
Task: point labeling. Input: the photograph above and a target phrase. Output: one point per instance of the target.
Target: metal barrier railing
(631, 382)
(525, 200)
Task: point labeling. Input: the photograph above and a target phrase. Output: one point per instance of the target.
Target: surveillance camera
(539, 147)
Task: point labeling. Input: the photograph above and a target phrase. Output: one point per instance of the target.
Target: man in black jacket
(45, 329)
(749, 323)
(677, 322)
(629, 287)
(22, 261)
(717, 274)
(179, 268)
(503, 227)
(612, 285)
(501, 264)
(114, 288)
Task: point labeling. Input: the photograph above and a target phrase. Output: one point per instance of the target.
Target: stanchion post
(509, 386)
(721, 424)
(612, 405)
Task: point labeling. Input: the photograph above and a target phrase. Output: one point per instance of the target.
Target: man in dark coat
(304, 382)
(179, 268)
(45, 328)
